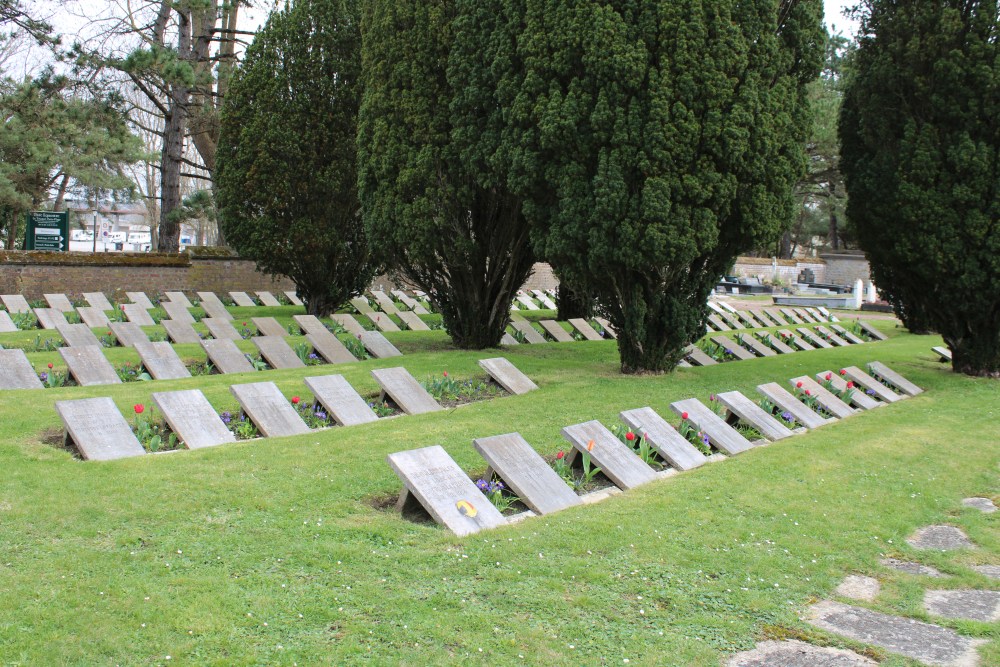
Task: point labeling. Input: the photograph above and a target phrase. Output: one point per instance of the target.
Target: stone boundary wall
(788, 269)
(36, 273)
(846, 268)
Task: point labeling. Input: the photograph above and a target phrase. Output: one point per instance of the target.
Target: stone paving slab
(793, 653)
(991, 571)
(943, 538)
(928, 643)
(180, 332)
(16, 372)
(192, 418)
(97, 429)
(984, 505)
(968, 605)
(340, 399)
(910, 567)
(858, 587)
(507, 375)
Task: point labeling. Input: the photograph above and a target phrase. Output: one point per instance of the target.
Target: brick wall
(846, 268)
(34, 274)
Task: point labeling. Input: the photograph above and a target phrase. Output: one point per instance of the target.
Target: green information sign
(47, 230)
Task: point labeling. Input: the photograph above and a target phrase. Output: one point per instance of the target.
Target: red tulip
(684, 415)
(829, 376)
(446, 373)
(138, 407)
(630, 436)
(50, 364)
(808, 393)
(295, 400)
(560, 455)
(798, 385)
(850, 385)
(843, 372)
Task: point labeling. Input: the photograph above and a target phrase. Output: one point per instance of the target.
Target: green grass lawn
(282, 551)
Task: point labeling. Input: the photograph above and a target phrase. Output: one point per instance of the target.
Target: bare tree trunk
(61, 194)
(173, 148)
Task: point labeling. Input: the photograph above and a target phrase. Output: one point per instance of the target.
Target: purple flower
(704, 439)
(43, 376)
(787, 416)
(226, 417)
(483, 485)
(870, 392)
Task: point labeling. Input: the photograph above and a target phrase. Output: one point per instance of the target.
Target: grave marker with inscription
(15, 303)
(268, 326)
(385, 303)
(6, 323)
(795, 340)
(293, 298)
(785, 401)
(752, 414)
(140, 299)
(192, 418)
(97, 430)
(59, 302)
(226, 357)
(868, 383)
(813, 338)
(310, 324)
(350, 325)
(242, 299)
(77, 335)
(401, 388)
(616, 460)
(858, 397)
(276, 352)
(775, 315)
(698, 357)
(412, 321)
(872, 331)
(526, 473)
(268, 299)
(661, 436)
(557, 332)
(178, 297)
(330, 348)
(847, 335)
(824, 398)
(128, 333)
(831, 337)
(221, 329)
(50, 318)
(378, 345)
(93, 317)
(507, 375)
(177, 312)
(882, 371)
(160, 361)
(16, 371)
(774, 340)
(529, 332)
(731, 347)
(89, 366)
(585, 329)
(723, 436)
(180, 332)
(98, 300)
(213, 306)
(341, 400)
(268, 409)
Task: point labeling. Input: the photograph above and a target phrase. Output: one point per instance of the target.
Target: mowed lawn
(287, 551)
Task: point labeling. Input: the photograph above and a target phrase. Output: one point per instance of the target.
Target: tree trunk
(173, 151)
(785, 246)
(978, 356)
(834, 231)
(61, 195)
(320, 303)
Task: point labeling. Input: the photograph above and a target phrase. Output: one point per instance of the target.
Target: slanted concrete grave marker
(382, 321)
(242, 299)
(412, 321)
(749, 319)
(754, 415)
(776, 316)
(526, 302)
(723, 436)
(221, 329)
(276, 352)
(526, 473)
(882, 371)
(507, 339)
(401, 388)
(544, 299)
(93, 317)
(507, 375)
(795, 340)
(16, 371)
(226, 357)
(15, 303)
(293, 298)
(268, 299)
(747, 340)
(661, 436)
(436, 482)
(50, 318)
(6, 323)
(557, 332)
(617, 461)
(140, 299)
(268, 409)
(96, 428)
(785, 401)
(731, 347)
(177, 312)
(857, 397)
(804, 315)
(77, 335)
(385, 303)
(813, 339)
(872, 331)
(585, 329)
(192, 418)
(826, 399)
(846, 335)
(59, 302)
(180, 332)
(608, 329)
(178, 297)
(361, 305)
(529, 332)
(832, 337)
(213, 306)
(330, 348)
(98, 300)
(268, 326)
(943, 353)
(774, 341)
(765, 320)
(790, 316)
(160, 361)
(137, 314)
(128, 333)
(310, 324)
(410, 302)
(717, 323)
(89, 366)
(698, 357)
(341, 400)
(378, 345)
(350, 325)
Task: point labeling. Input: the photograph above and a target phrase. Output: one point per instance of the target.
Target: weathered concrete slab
(814, 339)
(93, 317)
(617, 461)
(404, 390)
(752, 414)
(330, 348)
(161, 362)
(831, 337)
(221, 329)
(97, 300)
(793, 653)
(849, 336)
(225, 356)
(930, 644)
(731, 319)
(412, 321)
(558, 334)
(382, 321)
(722, 436)
(872, 331)
(507, 375)
(754, 345)
(310, 324)
(787, 402)
(943, 353)
(794, 339)
(984, 505)
(293, 298)
(526, 473)
(526, 303)
(192, 418)
(16, 372)
(661, 436)
(268, 409)
(340, 399)
(89, 366)
(140, 299)
(378, 345)
(431, 477)
(991, 571)
(177, 312)
(529, 332)
(608, 329)
(77, 335)
(857, 587)
(15, 303)
(776, 316)
(213, 306)
(774, 342)
(940, 538)
(507, 339)
(361, 305)
(137, 314)
(868, 383)
(717, 323)
(180, 332)
(268, 299)
(242, 299)
(730, 346)
(824, 398)
(857, 397)
(268, 326)
(178, 297)
(585, 329)
(59, 302)
(128, 333)
(882, 371)
(276, 353)
(969, 605)
(6, 323)
(765, 319)
(747, 318)
(96, 428)
(910, 567)
(385, 302)
(790, 316)
(351, 325)
(410, 302)
(804, 315)
(50, 318)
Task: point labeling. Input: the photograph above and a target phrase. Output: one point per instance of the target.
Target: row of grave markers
(435, 483)
(555, 330)
(98, 430)
(727, 318)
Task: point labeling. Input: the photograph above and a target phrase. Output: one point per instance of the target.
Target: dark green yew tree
(656, 140)
(434, 193)
(920, 135)
(286, 179)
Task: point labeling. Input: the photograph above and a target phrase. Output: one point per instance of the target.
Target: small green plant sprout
(589, 471)
(52, 378)
(563, 469)
(519, 336)
(257, 362)
(381, 408)
(306, 354)
(73, 317)
(697, 438)
(129, 372)
(47, 345)
(152, 435)
(357, 348)
(24, 321)
(494, 490)
(117, 314)
(638, 443)
(241, 426)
